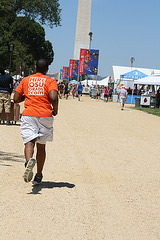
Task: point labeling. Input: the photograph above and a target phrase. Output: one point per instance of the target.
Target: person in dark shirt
(158, 98)
(66, 91)
(80, 88)
(110, 92)
(129, 91)
(6, 88)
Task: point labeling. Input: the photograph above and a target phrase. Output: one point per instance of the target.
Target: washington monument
(83, 27)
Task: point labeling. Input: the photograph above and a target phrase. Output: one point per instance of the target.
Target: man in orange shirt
(40, 94)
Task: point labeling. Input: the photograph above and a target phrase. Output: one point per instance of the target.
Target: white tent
(103, 82)
(150, 80)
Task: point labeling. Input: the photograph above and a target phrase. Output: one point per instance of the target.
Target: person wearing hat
(122, 95)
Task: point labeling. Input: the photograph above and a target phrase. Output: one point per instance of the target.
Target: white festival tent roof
(150, 80)
(103, 82)
(117, 71)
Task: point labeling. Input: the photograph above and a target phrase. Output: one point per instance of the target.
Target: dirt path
(101, 177)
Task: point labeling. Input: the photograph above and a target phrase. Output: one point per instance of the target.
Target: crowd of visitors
(65, 89)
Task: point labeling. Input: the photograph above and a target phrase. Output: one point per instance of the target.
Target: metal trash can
(115, 98)
(153, 100)
(93, 93)
(137, 102)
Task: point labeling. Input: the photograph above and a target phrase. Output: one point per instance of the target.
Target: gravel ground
(101, 177)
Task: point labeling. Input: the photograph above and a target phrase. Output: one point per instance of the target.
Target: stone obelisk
(82, 38)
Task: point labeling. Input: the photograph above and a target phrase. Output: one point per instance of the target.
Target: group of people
(6, 88)
(107, 91)
(40, 94)
(64, 90)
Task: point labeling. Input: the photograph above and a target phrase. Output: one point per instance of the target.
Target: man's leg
(29, 149)
(122, 103)
(7, 116)
(30, 162)
(7, 107)
(40, 157)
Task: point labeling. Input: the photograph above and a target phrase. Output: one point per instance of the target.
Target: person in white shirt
(122, 94)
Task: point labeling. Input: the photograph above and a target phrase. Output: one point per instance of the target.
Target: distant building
(82, 38)
(53, 75)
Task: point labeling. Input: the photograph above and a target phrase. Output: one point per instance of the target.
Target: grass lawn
(154, 111)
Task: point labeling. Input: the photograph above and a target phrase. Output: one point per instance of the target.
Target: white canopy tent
(103, 82)
(150, 80)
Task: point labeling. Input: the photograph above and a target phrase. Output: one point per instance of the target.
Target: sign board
(145, 101)
(65, 73)
(61, 73)
(88, 63)
(73, 68)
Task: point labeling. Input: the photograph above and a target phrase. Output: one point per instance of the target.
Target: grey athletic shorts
(40, 128)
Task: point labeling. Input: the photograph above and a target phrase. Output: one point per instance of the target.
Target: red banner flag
(71, 62)
(65, 73)
(82, 61)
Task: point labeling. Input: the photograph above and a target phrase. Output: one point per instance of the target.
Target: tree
(46, 12)
(26, 35)
(28, 39)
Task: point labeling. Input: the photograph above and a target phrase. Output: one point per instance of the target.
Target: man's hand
(54, 101)
(54, 112)
(18, 97)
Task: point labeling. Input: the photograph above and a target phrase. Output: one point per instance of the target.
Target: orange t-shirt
(36, 89)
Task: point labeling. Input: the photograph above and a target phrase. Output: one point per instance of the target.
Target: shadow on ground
(7, 158)
(50, 185)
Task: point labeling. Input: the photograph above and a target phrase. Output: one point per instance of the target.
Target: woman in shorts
(98, 93)
(105, 94)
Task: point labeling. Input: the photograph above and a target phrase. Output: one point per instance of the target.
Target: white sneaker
(28, 174)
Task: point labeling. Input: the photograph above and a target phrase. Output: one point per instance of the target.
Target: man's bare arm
(54, 101)
(11, 87)
(18, 97)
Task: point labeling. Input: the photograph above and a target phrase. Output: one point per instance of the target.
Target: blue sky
(121, 29)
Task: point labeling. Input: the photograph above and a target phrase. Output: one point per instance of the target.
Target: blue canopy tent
(134, 75)
(73, 81)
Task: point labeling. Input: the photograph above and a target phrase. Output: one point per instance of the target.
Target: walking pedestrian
(110, 93)
(66, 91)
(16, 105)
(80, 88)
(105, 94)
(73, 90)
(61, 88)
(98, 93)
(40, 94)
(122, 95)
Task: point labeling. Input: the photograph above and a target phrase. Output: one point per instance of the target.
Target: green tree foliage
(28, 39)
(45, 11)
(19, 28)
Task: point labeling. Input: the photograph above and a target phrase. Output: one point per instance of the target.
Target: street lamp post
(90, 35)
(132, 60)
(10, 63)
